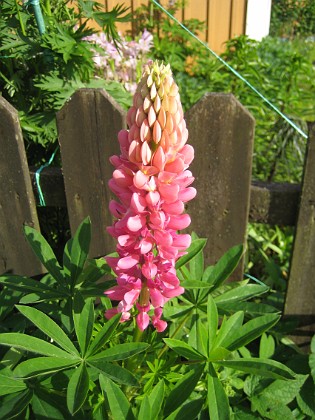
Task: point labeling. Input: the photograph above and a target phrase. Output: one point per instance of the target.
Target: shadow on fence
(222, 133)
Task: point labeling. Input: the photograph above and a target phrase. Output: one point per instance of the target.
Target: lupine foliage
(60, 358)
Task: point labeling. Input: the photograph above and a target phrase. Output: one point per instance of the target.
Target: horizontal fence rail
(274, 203)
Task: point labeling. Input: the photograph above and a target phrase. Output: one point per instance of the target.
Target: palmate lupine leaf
(262, 367)
(45, 254)
(49, 327)
(182, 390)
(218, 403)
(78, 388)
(118, 403)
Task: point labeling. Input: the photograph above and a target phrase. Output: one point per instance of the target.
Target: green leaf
(218, 402)
(183, 349)
(251, 330)
(114, 372)
(79, 249)
(312, 358)
(241, 293)
(25, 284)
(229, 329)
(218, 353)
(103, 335)
(262, 367)
(10, 385)
(48, 327)
(212, 318)
(267, 346)
(83, 317)
(272, 401)
(77, 389)
(195, 284)
(45, 254)
(306, 398)
(32, 344)
(120, 352)
(13, 405)
(94, 270)
(42, 365)
(156, 399)
(196, 264)
(226, 265)
(187, 411)
(145, 409)
(182, 390)
(46, 405)
(118, 403)
(194, 249)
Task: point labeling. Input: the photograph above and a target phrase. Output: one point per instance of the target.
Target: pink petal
(187, 194)
(138, 203)
(182, 241)
(159, 158)
(159, 324)
(143, 320)
(163, 238)
(156, 298)
(152, 198)
(179, 222)
(117, 209)
(128, 262)
(140, 179)
(146, 153)
(169, 192)
(176, 166)
(188, 153)
(174, 208)
(136, 223)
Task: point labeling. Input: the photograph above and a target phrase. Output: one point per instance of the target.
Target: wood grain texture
(221, 130)
(17, 203)
(300, 299)
(88, 125)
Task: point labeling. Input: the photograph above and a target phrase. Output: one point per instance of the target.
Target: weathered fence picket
(300, 299)
(221, 131)
(88, 125)
(17, 203)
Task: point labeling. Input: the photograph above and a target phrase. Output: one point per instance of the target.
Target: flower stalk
(152, 183)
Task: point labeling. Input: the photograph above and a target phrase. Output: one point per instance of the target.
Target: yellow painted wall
(224, 19)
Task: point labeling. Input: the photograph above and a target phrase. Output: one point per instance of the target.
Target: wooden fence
(222, 133)
(223, 19)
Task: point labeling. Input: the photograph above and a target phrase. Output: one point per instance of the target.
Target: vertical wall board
(219, 24)
(222, 131)
(17, 203)
(88, 125)
(300, 299)
(238, 17)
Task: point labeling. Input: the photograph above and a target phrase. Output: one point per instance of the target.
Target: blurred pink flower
(123, 65)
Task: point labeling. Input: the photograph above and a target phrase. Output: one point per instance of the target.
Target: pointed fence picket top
(221, 131)
(300, 299)
(17, 203)
(88, 125)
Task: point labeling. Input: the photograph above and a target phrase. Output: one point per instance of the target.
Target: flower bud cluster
(152, 183)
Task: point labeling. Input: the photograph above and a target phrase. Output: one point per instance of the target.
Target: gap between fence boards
(270, 203)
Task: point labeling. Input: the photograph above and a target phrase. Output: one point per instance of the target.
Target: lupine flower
(122, 65)
(152, 183)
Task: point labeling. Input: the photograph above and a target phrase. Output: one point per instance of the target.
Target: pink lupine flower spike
(152, 183)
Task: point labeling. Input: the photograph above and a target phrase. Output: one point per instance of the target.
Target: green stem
(20, 18)
(164, 349)
(48, 7)
(131, 363)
